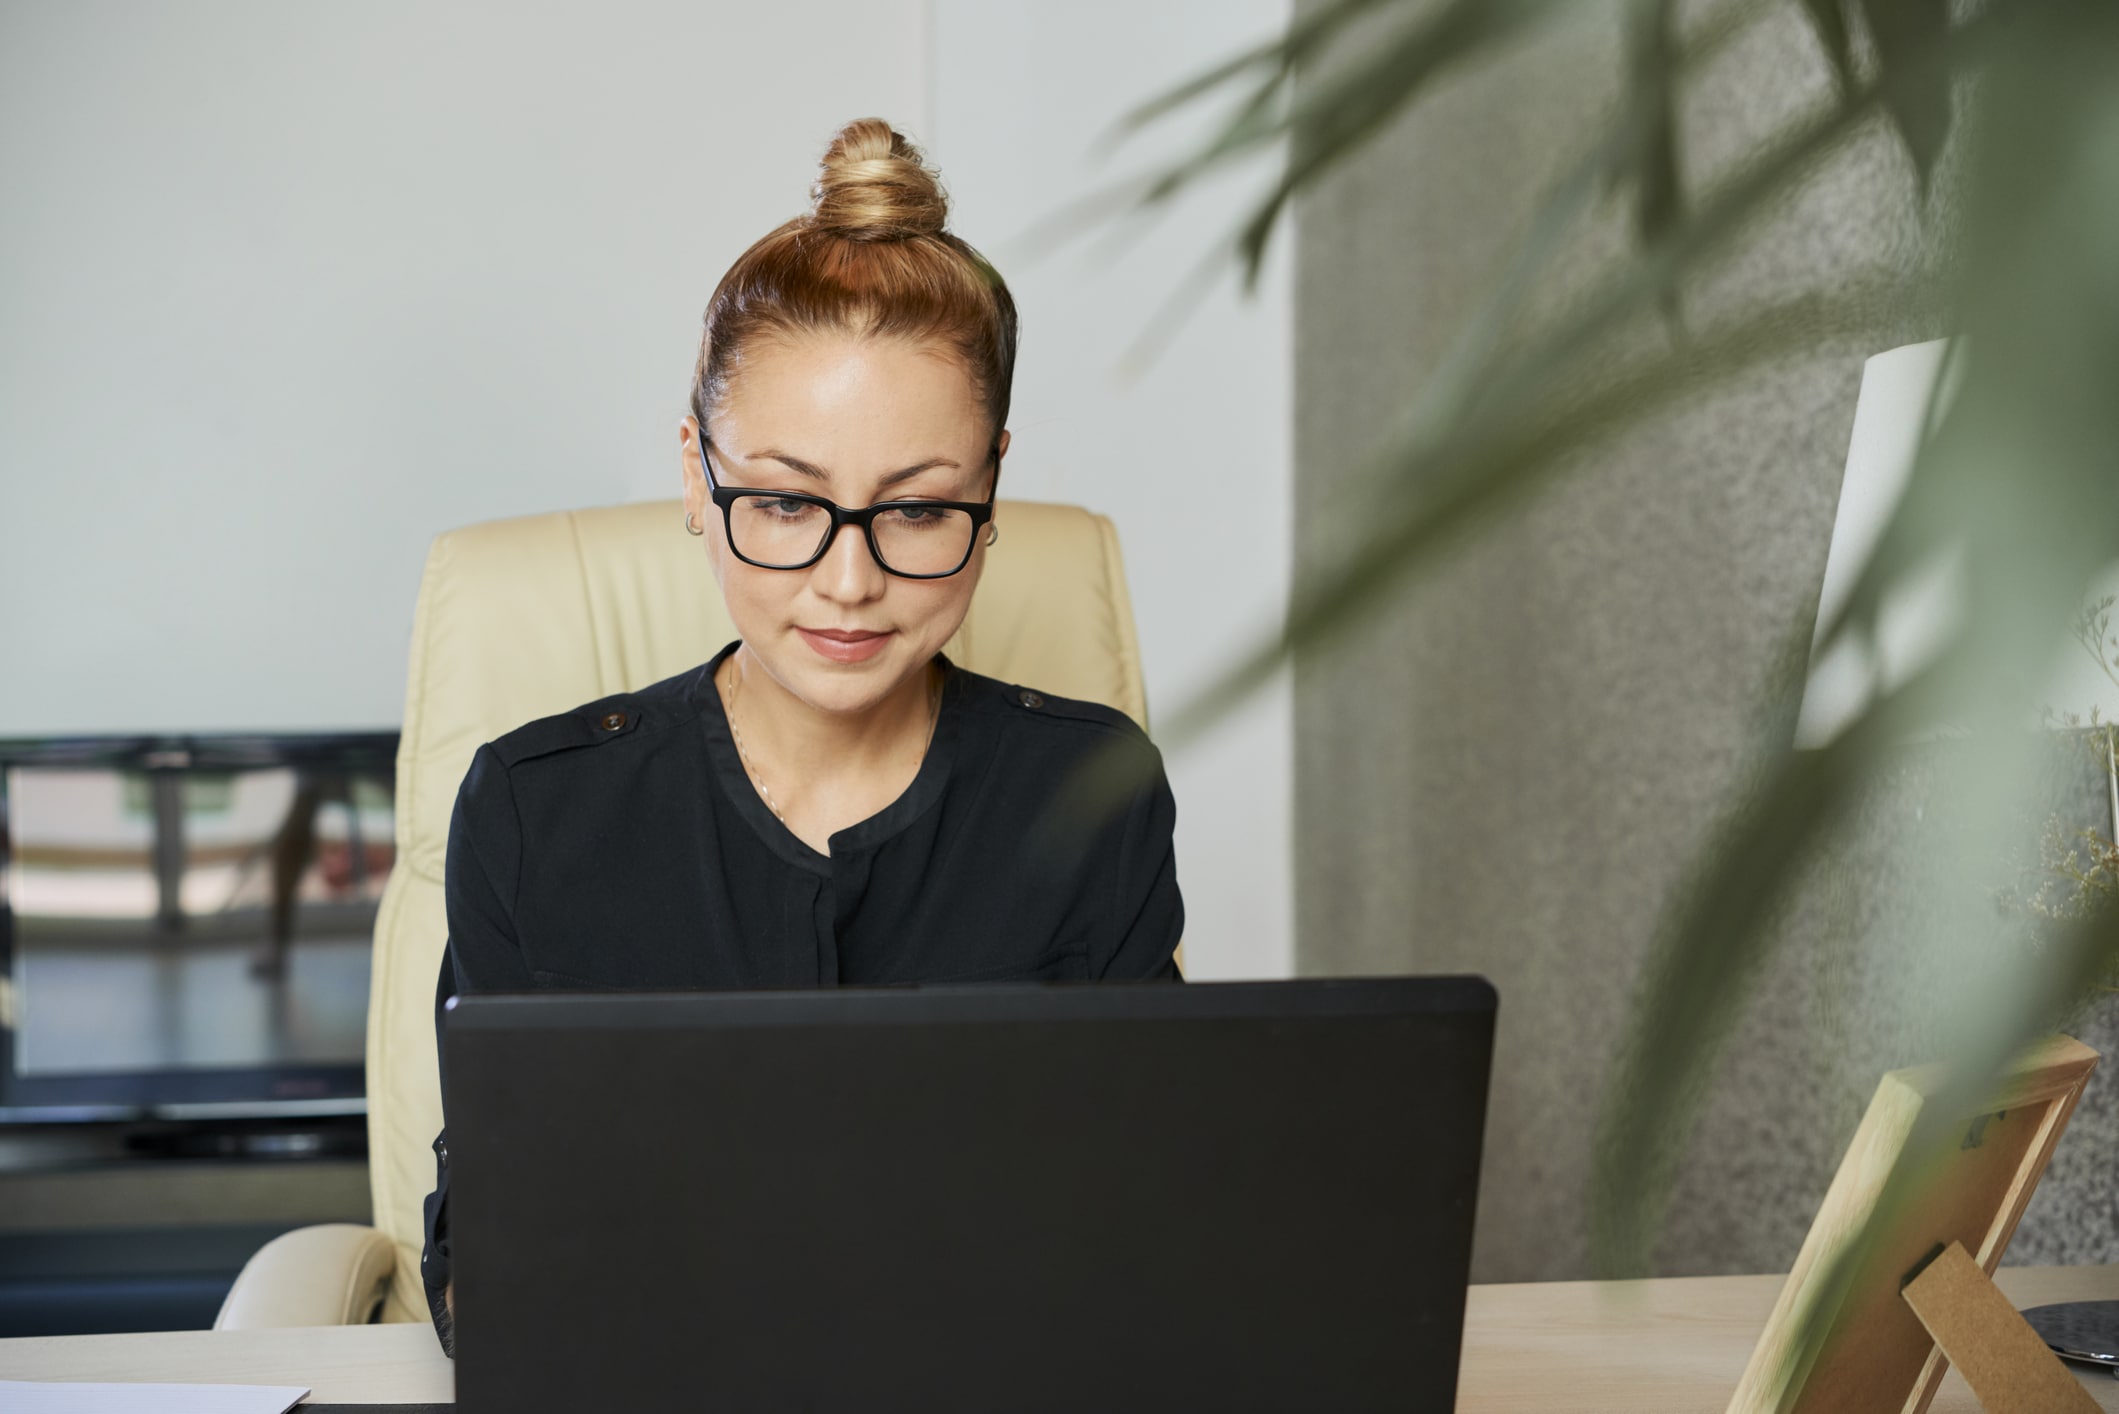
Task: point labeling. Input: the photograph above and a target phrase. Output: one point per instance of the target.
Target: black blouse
(622, 846)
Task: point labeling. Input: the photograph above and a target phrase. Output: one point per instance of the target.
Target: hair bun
(875, 186)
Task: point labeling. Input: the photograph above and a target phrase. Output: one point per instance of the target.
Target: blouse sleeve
(482, 955)
(1148, 911)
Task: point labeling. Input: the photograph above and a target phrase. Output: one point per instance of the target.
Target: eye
(919, 517)
(781, 507)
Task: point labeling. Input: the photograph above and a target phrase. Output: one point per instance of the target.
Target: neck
(806, 745)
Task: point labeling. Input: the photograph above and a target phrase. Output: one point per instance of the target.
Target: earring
(689, 527)
(993, 533)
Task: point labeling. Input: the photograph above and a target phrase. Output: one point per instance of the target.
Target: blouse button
(1029, 698)
(612, 721)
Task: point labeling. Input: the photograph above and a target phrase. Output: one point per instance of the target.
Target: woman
(828, 801)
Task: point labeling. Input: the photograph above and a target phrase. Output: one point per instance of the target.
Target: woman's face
(855, 420)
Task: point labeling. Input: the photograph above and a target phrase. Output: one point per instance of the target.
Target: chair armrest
(332, 1274)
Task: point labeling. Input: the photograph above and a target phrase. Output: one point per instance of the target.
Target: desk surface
(1673, 1346)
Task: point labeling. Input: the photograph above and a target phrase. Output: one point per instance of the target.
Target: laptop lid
(1229, 1196)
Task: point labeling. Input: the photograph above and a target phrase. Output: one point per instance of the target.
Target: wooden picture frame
(1879, 1356)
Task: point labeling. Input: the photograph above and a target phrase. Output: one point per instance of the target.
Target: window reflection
(179, 918)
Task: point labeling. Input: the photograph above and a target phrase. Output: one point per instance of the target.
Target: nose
(848, 573)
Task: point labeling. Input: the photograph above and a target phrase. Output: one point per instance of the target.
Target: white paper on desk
(54, 1397)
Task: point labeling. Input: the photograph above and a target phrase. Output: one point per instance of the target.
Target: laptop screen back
(1227, 1196)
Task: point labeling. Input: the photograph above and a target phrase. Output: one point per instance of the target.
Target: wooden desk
(1674, 1346)
(1655, 1347)
(340, 1364)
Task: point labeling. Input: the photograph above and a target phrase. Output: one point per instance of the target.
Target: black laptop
(1232, 1196)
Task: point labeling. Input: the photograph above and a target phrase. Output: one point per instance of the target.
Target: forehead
(851, 402)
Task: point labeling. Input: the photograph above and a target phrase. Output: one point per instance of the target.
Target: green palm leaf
(2021, 478)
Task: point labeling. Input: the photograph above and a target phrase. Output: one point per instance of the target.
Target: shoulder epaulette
(591, 724)
(1029, 699)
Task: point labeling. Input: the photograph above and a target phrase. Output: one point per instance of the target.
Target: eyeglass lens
(784, 533)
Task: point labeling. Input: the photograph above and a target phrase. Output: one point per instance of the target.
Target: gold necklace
(750, 768)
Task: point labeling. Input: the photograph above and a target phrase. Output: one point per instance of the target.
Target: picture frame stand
(1980, 1331)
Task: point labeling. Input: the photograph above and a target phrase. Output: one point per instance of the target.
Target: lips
(845, 645)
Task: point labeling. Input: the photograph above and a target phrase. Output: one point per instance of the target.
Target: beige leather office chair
(518, 619)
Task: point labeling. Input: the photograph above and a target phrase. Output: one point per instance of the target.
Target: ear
(1000, 450)
(691, 462)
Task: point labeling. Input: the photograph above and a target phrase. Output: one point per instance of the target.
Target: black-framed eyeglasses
(791, 530)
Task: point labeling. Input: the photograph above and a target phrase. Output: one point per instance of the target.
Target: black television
(185, 923)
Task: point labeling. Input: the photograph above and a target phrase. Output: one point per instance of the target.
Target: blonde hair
(873, 256)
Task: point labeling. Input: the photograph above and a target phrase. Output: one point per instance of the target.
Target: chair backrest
(518, 619)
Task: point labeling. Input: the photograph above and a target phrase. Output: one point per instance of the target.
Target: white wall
(285, 289)
(1192, 458)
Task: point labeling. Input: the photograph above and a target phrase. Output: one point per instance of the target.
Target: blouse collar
(860, 837)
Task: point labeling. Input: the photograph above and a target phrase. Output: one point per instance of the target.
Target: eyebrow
(887, 479)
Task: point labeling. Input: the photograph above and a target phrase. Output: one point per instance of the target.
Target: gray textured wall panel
(1507, 768)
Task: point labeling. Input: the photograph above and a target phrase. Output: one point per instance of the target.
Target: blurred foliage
(2093, 630)
(2020, 475)
(2076, 874)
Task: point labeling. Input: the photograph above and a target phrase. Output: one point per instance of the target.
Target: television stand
(143, 1224)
